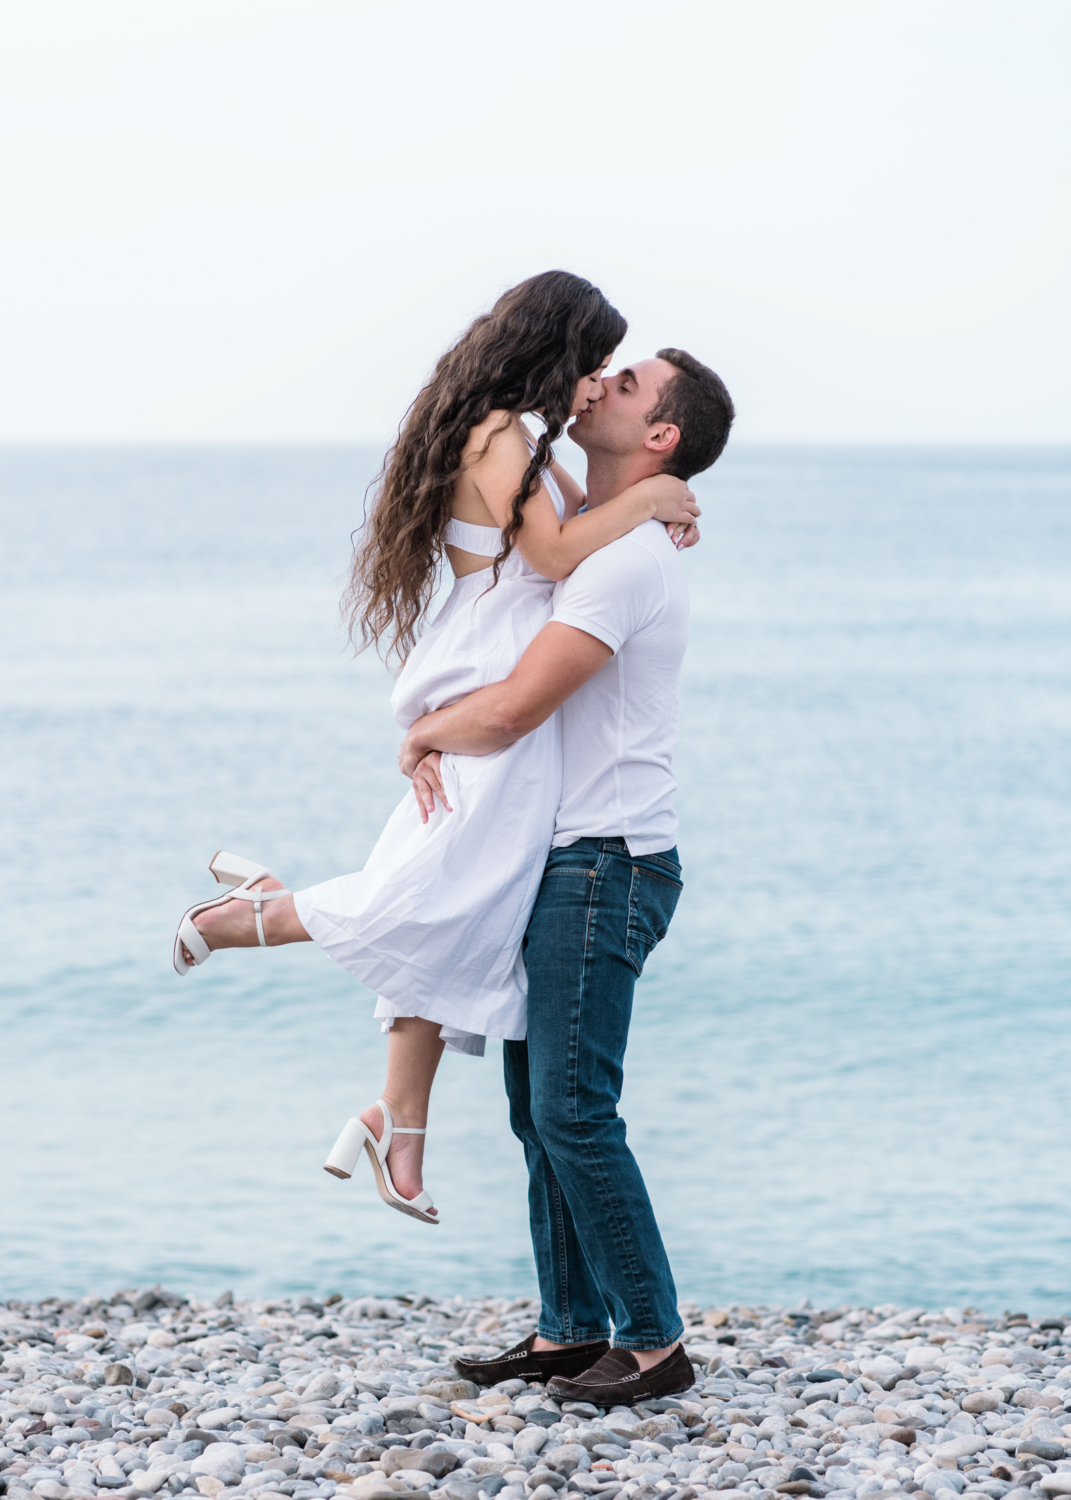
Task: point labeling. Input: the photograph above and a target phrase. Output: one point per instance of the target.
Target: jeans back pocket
(653, 897)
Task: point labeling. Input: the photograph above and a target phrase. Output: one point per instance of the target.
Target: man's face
(618, 423)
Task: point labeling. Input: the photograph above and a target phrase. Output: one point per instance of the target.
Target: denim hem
(574, 1335)
(638, 1345)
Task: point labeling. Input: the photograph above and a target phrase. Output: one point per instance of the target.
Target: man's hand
(428, 784)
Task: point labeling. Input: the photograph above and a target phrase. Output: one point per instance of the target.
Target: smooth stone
(118, 1374)
(544, 1475)
(1038, 1448)
(437, 1464)
(960, 1447)
(1041, 1425)
(811, 1395)
(51, 1489)
(979, 1401)
(321, 1387)
(655, 1427)
(220, 1459)
(823, 1374)
(223, 1416)
(1056, 1484)
(580, 1408)
(148, 1481)
(944, 1479)
(567, 1458)
(401, 1406)
(881, 1367)
(451, 1390)
(159, 1416)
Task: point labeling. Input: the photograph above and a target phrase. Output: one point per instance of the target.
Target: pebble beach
(153, 1393)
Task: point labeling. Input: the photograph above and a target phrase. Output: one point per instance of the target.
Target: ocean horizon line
(787, 446)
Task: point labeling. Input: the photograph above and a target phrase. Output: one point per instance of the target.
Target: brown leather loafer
(617, 1380)
(525, 1363)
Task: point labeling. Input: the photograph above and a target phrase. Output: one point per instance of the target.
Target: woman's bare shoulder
(499, 438)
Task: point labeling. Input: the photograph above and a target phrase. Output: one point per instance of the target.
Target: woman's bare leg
(234, 924)
(414, 1048)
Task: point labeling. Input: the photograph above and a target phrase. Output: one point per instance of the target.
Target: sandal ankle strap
(389, 1127)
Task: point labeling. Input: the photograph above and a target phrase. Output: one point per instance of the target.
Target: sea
(849, 1076)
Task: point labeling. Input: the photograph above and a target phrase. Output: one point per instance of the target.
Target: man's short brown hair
(695, 401)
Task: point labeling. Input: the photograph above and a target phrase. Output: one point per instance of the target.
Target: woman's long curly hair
(526, 355)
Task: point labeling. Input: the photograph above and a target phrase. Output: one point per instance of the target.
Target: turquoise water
(851, 1059)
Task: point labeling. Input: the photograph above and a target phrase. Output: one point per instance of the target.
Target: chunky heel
(346, 1150)
(232, 869)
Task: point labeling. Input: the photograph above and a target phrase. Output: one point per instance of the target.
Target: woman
(434, 921)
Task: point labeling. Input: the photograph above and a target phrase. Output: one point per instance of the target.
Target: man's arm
(559, 660)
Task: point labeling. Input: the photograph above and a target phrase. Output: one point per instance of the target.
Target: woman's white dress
(434, 921)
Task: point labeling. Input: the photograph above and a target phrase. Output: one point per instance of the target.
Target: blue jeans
(599, 1255)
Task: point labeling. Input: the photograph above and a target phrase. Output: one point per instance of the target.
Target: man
(611, 658)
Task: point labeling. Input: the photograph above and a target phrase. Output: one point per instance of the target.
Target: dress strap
(482, 541)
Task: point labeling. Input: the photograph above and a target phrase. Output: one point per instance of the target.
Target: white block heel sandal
(347, 1148)
(229, 869)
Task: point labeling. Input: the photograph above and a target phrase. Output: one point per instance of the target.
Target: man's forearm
(484, 721)
(558, 661)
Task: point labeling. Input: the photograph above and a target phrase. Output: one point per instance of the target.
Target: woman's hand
(428, 784)
(675, 507)
(409, 757)
(673, 501)
(683, 536)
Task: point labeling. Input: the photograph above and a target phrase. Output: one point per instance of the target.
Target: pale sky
(254, 220)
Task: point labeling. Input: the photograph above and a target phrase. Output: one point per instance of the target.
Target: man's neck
(610, 473)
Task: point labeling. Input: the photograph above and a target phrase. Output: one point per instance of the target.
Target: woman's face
(589, 389)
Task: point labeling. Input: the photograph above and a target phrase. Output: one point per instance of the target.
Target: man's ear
(662, 437)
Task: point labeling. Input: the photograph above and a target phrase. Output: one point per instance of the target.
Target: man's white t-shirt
(620, 728)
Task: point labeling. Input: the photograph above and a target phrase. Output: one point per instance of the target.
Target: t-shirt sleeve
(612, 594)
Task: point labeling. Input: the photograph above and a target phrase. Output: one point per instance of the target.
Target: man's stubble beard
(587, 439)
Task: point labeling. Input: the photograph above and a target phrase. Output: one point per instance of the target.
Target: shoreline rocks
(149, 1393)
